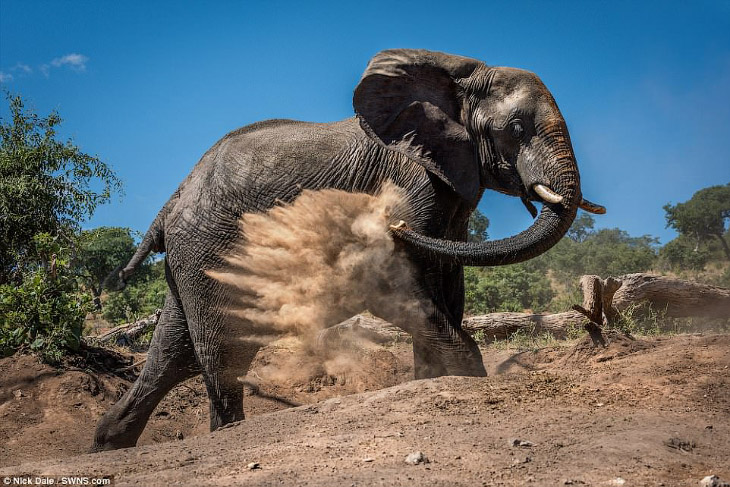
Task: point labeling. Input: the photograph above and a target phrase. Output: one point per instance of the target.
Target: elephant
(442, 127)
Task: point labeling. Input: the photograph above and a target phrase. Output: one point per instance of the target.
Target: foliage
(723, 280)
(99, 252)
(480, 337)
(144, 293)
(506, 288)
(45, 185)
(46, 312)
(606, 252)
(684, 253)
(704, 216)
(564, 301)
(527, 339)
(640, 319)
(478, 224)
(581, 228)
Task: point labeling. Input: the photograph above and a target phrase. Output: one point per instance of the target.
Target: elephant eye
(516, 130)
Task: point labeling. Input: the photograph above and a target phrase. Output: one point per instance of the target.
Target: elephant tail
(153, 241)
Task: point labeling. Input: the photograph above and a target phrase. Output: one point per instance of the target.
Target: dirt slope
(49, 413)
(654, 412)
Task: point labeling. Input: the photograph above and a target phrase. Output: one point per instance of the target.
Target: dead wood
(498, 326)
(125, 335)
(676, 297)
(604, 299)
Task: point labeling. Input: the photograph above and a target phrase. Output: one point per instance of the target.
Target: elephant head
(474, 127)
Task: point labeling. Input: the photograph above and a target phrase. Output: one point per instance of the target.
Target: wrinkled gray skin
(442, 127)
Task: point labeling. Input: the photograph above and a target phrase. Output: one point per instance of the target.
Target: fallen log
(603, 302)
(499, 326)
(677, 298)
(125, 335)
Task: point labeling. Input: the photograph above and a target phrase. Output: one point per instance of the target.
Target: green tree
(46, 312)
(684, 253)
(612, 252)
(606, 252)
(99, 252)
(478, 224)
(581, 228)
(506, 288)
(144, 293)
(46, 185)
(704, 216)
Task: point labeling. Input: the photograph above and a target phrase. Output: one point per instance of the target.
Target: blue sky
(150, 86)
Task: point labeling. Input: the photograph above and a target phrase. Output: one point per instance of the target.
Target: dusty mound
(617, 345)
(40, 402)
(284, 375)
(48, 412)
(650, 416)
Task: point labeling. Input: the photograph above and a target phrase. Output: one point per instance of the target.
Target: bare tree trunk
(593, 301)
(610, 286)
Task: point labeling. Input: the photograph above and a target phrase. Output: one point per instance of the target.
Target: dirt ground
(653, 412)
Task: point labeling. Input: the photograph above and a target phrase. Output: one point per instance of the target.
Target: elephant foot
(429, 363)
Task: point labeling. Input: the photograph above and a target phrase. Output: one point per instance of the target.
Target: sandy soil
(640, 412)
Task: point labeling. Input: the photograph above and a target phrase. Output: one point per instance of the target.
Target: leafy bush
(723, 280)
(606, 252)
(565, 300)
(46, 185)
(46, 312)
(506, 288)
(641, 319)
(684, 253)
(141, 297)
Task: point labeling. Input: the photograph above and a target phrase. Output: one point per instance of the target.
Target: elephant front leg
(426, 363)
(445, 349)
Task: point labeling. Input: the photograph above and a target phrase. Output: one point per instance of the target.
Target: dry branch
(124, 335)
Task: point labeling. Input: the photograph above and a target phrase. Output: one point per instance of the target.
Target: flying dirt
(303, 267)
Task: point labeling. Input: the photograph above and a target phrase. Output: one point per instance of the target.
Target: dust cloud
(302, 267)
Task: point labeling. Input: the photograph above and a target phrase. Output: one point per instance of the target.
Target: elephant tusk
(547, 194)
(401, 225)
(591, 207)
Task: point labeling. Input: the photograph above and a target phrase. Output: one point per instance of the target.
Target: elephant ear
(409, 101)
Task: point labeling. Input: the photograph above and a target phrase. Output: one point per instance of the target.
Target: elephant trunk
(547, 230)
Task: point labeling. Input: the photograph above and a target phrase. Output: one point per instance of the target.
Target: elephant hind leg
(170, 360)
(223, 358)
